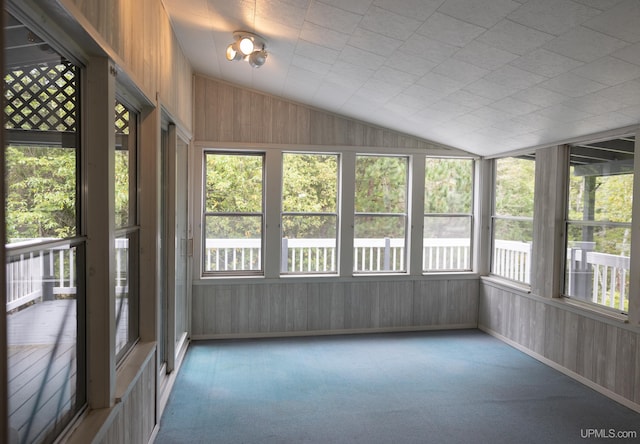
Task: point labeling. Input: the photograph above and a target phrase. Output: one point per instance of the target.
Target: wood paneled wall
(138, 36)
(602, 353)
(228, 113)
(334, 306)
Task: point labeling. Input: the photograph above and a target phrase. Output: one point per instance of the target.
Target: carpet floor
(428, 387)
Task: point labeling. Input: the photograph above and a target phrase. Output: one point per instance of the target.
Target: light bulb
(246, 45)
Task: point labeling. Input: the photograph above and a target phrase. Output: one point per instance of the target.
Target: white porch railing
(512, 260)
(45, 273)
(601, 276)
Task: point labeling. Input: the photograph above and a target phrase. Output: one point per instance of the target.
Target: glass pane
(41, 192)
(181, 255)
(44, 342)
(309, 183)
(126, 292)
(447, 243)
(601, 197)
(448, 185)
(515, 180)
(381, 184)
(125, 152)
(233, 243)
(512, 249)
(597, 266)
(233, 183)
(379, 243)
(309, 244)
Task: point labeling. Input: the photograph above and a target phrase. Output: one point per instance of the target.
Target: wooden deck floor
(42, 366)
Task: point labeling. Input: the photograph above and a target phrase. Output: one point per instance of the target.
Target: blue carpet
(428, 387)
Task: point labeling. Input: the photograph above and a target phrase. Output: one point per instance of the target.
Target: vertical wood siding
(255, 309)
(602, 352)
(140, 34)
(227, 113)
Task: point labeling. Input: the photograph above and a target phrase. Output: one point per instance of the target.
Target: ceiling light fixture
(247, 46)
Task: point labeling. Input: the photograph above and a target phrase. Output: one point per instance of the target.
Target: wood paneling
(228, 113)
(254, 309)
(604, 352)
(139, 37)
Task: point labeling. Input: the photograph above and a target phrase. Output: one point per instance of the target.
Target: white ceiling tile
(452, 109)
(539, 96)
(410, 101)
(316, 52)
(584, 44)
(333, 18)
(410, 64)
(629, 54)
(562, 113)
(594, 104)
(427, 95)
(374, 42)
(360, 57)
(514, 106)
(514, 125)
(514, 37)
(439, 82)
(449, 30)
(392, 75)
(553, 16)
(621, 21)
(311, 65)
(348, 74)
(389, 23)
(489, 90)
(281, 12)
(357, 6)
(609, 70)
(432, 115)
(484, 56)
(572, 85)
(399, 110)
(485, 13)
(631, 111)
(418, 9)
(426, 48)
(390, 89)
(599, 4)
(461, 71)
(514, 78)
(468, 99)
(626, 94)
(546, 63)
(323, 36)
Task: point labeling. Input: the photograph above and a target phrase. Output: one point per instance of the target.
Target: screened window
(45, 301)
(599, 222)
(309, 213)
(448, 200)
(380, 223)
(512, 221)
(233, 213)
(127, 229)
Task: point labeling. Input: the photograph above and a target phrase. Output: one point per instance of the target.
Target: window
(599, 222)
(512, 221)
(127, 229)
(233, 213)
(309, 213)
(45, 297)
(448, 195)
(380, 223)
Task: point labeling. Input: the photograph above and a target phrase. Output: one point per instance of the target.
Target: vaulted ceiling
(486, 76)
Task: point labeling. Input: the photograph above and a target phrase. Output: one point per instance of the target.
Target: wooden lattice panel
(42, 98)
(122, 119)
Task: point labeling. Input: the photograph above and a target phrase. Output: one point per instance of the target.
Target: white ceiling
(486, 76)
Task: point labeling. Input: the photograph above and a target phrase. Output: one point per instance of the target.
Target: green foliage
(233, 183)
(448, 186)
(515, 183)
(41, 197)
(381, 184)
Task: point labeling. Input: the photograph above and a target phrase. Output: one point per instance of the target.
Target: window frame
(469, 216)
(405, 254)
(205, 214)
(595, 224)
(336, 255)
(526, 272)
